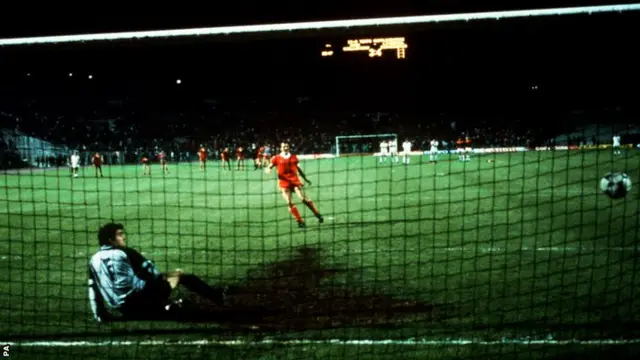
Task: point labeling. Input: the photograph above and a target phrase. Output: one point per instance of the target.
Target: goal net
(348, 145)
(516, 254)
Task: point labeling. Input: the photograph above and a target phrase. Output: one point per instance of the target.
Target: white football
(615, 185)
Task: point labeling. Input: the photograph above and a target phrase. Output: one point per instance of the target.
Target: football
(615, 185)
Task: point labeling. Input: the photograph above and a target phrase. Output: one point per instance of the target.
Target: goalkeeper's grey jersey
(116, 273)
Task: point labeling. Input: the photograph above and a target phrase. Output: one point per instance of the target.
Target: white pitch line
(469, 196)
(426, 249)
(338, 342)
(497, 249)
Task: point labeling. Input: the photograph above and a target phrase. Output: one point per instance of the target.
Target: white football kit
(616, 145)
(75, 164)
(406, 147)
(384, 150)
(75, 161)
(393, 147)
(433, 151)
(406, 152)
(616, 141)
(434, 147)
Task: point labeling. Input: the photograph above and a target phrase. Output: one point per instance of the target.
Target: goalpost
(371, 148)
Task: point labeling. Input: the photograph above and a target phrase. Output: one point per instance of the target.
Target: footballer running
(286, 164)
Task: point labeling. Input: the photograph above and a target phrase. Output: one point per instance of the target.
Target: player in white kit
(406, 152)
(75, 163)
(616, 144)
(384, 150)
(433, 151)
(393, 149)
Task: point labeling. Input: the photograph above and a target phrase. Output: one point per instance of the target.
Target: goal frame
(369, 136)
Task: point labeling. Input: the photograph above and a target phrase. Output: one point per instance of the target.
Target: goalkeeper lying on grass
(122, 279)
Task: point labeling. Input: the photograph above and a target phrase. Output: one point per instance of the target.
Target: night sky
(569, 61)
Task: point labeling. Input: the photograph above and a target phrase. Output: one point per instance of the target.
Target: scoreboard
(374, 47)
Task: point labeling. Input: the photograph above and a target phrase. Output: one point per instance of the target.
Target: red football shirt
(203, 154)
(287, 168)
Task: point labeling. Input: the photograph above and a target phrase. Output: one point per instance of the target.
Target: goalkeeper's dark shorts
(148, 303)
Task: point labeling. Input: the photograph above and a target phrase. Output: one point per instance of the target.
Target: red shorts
(203, 160)
(289, 184)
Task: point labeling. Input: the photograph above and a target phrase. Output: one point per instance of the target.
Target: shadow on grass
(294, 295)
(302, 294)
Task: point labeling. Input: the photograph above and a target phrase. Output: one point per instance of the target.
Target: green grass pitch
(522, 246)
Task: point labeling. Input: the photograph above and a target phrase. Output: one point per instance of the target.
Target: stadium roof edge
(318, 25)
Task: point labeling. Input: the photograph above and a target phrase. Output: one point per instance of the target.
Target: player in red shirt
(259, 157)
(146, 166)
(289, 182)
(225, 157)
(97, 163)
(163, 162)
(202, 155)
(240, 157)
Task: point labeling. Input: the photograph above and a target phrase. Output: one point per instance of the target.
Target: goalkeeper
(120, 278)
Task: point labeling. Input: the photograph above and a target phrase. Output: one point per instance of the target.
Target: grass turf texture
(523, 246)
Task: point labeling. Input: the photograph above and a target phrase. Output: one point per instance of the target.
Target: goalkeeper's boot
(302, 225)
(174, 310)
(175, 304)
(320, 218)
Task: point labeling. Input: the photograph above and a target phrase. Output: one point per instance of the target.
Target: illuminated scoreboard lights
(375, 47)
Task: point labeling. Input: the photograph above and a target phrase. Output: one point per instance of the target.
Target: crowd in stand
(124, 130)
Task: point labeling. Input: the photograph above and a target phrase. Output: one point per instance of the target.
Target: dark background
(533, 74)
(568, 61)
